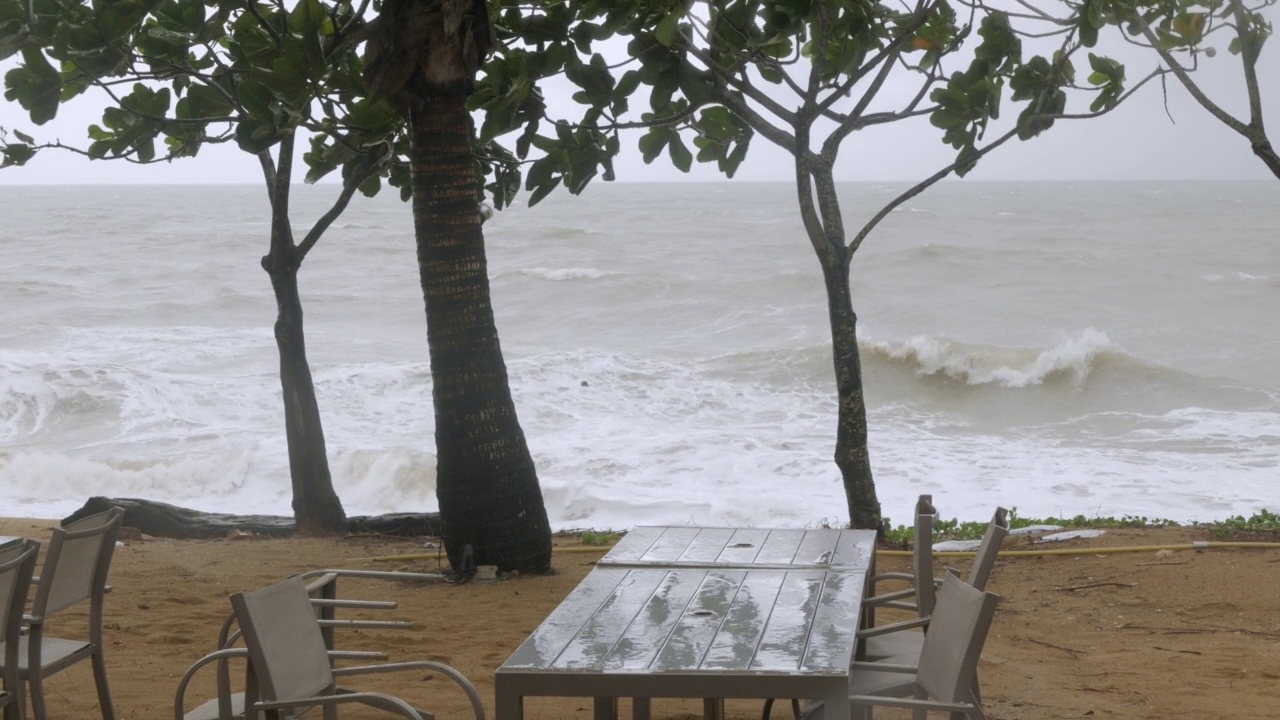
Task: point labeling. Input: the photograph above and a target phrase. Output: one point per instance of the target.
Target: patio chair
(17, 563)
(919, 595)
(322, 588)
(74, 571)
(290, 667)
(944, 679)
(897, 640)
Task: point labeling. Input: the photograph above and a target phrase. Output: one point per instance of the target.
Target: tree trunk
(316, 507)
(851, 424)
(485, 478)
(1262, 148)
(825, 228)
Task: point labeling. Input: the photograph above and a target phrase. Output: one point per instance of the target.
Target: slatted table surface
(701, 613)
(683, 546)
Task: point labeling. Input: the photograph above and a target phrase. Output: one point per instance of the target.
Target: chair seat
(904, 645)
(209, 710)
(54, 652)
(865, 682)
(883, 684)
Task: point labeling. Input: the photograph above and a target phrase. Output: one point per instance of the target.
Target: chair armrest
(179, 696)
(888, 597)
(910, 703)
(477, 706)
(366, 624)
(362, 604)
(891, 576)
(358, 655)
(882, 667)
(381, 701)
(893, 627)
(375, 575)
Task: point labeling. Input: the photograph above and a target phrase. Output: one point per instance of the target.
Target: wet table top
(757, 548)
(701, 613)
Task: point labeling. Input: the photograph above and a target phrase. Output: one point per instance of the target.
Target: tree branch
(1249, 57)
(1181, 73)
(368, 164)
(743, 86)
(757, 122)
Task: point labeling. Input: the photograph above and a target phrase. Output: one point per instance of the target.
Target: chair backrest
(922, 554)
(17, 565)
(985, 558)
(949, 657)
(286, 648)
(75, 568)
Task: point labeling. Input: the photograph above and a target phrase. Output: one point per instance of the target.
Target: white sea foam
(547, 273)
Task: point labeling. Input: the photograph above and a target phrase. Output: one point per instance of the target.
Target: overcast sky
(1138, 141)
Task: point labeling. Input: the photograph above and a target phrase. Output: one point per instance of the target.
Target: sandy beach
(1187, 634)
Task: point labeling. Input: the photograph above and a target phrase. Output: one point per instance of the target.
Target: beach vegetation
(1261, 522)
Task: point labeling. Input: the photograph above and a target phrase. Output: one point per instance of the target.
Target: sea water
(1085, 348)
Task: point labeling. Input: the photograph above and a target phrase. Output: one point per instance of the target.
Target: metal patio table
(708, 613)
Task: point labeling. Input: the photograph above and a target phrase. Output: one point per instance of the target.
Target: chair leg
(104, 690)
(36, 686)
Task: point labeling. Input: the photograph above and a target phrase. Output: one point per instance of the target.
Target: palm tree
(423, 56)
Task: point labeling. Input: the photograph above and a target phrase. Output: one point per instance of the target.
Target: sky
(1139, 141)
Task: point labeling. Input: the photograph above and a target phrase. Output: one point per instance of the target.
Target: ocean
(1105, 348)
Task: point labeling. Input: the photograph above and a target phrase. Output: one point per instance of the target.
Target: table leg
(507, 705)
(835, 703)
(640, 708)
(713, 709)
(606, 708)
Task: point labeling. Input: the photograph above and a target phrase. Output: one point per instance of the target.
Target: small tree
(806, 76)
(1180, 33)
(189, 73)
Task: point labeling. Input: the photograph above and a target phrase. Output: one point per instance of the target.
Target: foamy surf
(669, 366)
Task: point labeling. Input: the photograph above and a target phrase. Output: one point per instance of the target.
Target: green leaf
(36, 85)
(16, 154)
(541, 191)
(255, 98)
(652, 143)
(667, 27)
(680, 155)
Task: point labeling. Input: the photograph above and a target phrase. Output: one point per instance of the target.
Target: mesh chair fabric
(949, 657)
(284, 641)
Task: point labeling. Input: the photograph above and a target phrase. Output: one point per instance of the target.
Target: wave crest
(574, 273)
(1071, 360)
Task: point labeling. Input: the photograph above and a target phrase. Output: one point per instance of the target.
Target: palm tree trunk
(485, 477)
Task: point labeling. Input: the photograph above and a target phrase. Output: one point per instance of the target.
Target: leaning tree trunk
(825, 228)
(485, 477)
(316, 507)
(851, 423)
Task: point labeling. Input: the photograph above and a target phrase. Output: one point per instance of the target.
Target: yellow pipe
(1194, 545)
